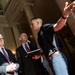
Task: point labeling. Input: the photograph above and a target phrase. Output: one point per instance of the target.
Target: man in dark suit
(28, 65)
(8, 63)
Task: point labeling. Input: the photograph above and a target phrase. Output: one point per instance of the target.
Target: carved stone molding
(3, 21)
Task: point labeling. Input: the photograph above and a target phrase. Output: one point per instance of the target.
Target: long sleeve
(3, 68)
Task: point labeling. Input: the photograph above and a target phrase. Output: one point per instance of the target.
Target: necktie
(27, 48)
(7, 57)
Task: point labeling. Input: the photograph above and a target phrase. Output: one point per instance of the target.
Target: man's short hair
(36, 18)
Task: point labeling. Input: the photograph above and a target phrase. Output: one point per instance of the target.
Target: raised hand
(68, 9)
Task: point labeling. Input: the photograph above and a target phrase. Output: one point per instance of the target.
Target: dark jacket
(4, 63)
(28, 65)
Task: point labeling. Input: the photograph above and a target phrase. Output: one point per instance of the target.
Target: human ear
(19, 38)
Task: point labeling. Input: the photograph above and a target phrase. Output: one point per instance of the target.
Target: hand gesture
(68, 9)
(11, 67)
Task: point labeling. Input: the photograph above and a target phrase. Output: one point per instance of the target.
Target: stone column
(71, 19)
(30, 15)
(16, 34)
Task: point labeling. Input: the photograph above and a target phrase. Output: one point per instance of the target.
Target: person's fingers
(72, 6)
(66, 4)
(73, 3)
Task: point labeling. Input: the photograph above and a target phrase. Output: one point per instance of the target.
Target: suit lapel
(32, 47)
(1, 55)
(22, 49)
(9, 54)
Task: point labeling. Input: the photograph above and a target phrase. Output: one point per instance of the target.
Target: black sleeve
(19, 61)
(49, 28)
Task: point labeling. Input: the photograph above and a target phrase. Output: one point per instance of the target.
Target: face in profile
(23, 37)
(1, 41)
(35, 24)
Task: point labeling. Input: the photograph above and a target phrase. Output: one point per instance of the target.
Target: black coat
(4, 62)
(28, 65)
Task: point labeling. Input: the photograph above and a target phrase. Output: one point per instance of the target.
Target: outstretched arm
(66, 12)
